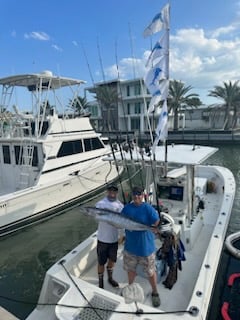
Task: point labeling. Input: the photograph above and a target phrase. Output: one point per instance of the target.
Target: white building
(129, 114)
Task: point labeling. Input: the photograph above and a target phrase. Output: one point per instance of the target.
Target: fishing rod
(131, 46)
(119, 174)
(151, 136)
(94, 85)
(124, 161)
(125, 119)
(100, 60)
(88, 65)
(108, 128)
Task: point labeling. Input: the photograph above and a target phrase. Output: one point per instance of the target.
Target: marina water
(26, 255)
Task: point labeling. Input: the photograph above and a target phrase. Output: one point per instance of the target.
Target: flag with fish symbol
(159, 95)
(162, 127)
(154, 75)
(157, 75)
(159, 50)
(159, 22)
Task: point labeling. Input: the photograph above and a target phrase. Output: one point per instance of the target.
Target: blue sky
(56, 35)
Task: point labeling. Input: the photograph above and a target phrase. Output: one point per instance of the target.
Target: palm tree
(179, 99)
(229, 93)
(46, 108)
(79, 105)
(108, 98)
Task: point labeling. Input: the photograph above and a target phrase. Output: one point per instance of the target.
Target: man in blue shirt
(139, 245)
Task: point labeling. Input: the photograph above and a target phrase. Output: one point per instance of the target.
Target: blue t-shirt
(140, 243)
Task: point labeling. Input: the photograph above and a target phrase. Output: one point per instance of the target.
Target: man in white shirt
(107, 236)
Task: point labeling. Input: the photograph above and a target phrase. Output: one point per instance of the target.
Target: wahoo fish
(114, 218)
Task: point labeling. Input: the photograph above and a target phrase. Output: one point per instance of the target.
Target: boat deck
(178, 297)
(4, 314)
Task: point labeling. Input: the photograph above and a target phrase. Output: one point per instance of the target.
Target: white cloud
(56, 47)
(223, 30)
(75, 43)
(199, 58)
(127, 68)
(37, 35)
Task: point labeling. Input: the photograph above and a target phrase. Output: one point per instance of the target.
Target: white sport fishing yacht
(199, 199)
(49, 158)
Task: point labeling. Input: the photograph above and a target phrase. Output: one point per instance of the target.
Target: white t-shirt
(106, 232)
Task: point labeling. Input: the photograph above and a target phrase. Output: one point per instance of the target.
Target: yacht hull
(28, 206)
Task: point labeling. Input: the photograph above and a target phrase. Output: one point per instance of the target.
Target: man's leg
(102, 259)
(110, 267)
(131, 276)
(112, 258)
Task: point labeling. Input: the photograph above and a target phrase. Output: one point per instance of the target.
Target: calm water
(25, 256)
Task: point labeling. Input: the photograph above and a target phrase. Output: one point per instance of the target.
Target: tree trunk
(175, 120)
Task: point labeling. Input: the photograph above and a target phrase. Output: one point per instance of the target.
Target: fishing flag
(162, 127)
(156, 98)
(159, 22)
(159, 50)
(154, 75)
(160, 94)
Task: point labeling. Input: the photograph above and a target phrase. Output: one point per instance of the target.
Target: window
(70, 147)
(135, 124)
(170, 192)
(44, 128)
(128, 108)
(93, 110)
(137, 90)
(6, 154)
(35, 157)
(137, 109)
(92, 144)
(18, 150)
(128, 91)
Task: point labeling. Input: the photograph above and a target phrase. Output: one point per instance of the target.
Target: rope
(94, 308)
(79, 290)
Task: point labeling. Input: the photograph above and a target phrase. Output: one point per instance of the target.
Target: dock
(5, 315)
(205, 137)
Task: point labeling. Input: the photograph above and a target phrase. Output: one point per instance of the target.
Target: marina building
(127, 110)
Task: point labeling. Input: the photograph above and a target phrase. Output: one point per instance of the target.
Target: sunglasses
(137, 193)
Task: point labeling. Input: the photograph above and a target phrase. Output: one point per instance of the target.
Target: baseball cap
(112, 187)
(137, 190)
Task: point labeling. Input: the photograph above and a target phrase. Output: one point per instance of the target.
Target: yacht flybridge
(48, 158)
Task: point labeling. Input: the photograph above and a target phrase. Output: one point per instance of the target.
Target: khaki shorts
(130, 263)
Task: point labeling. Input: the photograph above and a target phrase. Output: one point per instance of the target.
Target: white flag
(164, 86)
(162, 127)
(159, 50)
(154, 75)
(159, 22)
(156, 98)
(159, 95)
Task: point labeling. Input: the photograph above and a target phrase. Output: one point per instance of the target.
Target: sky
(98, 40)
